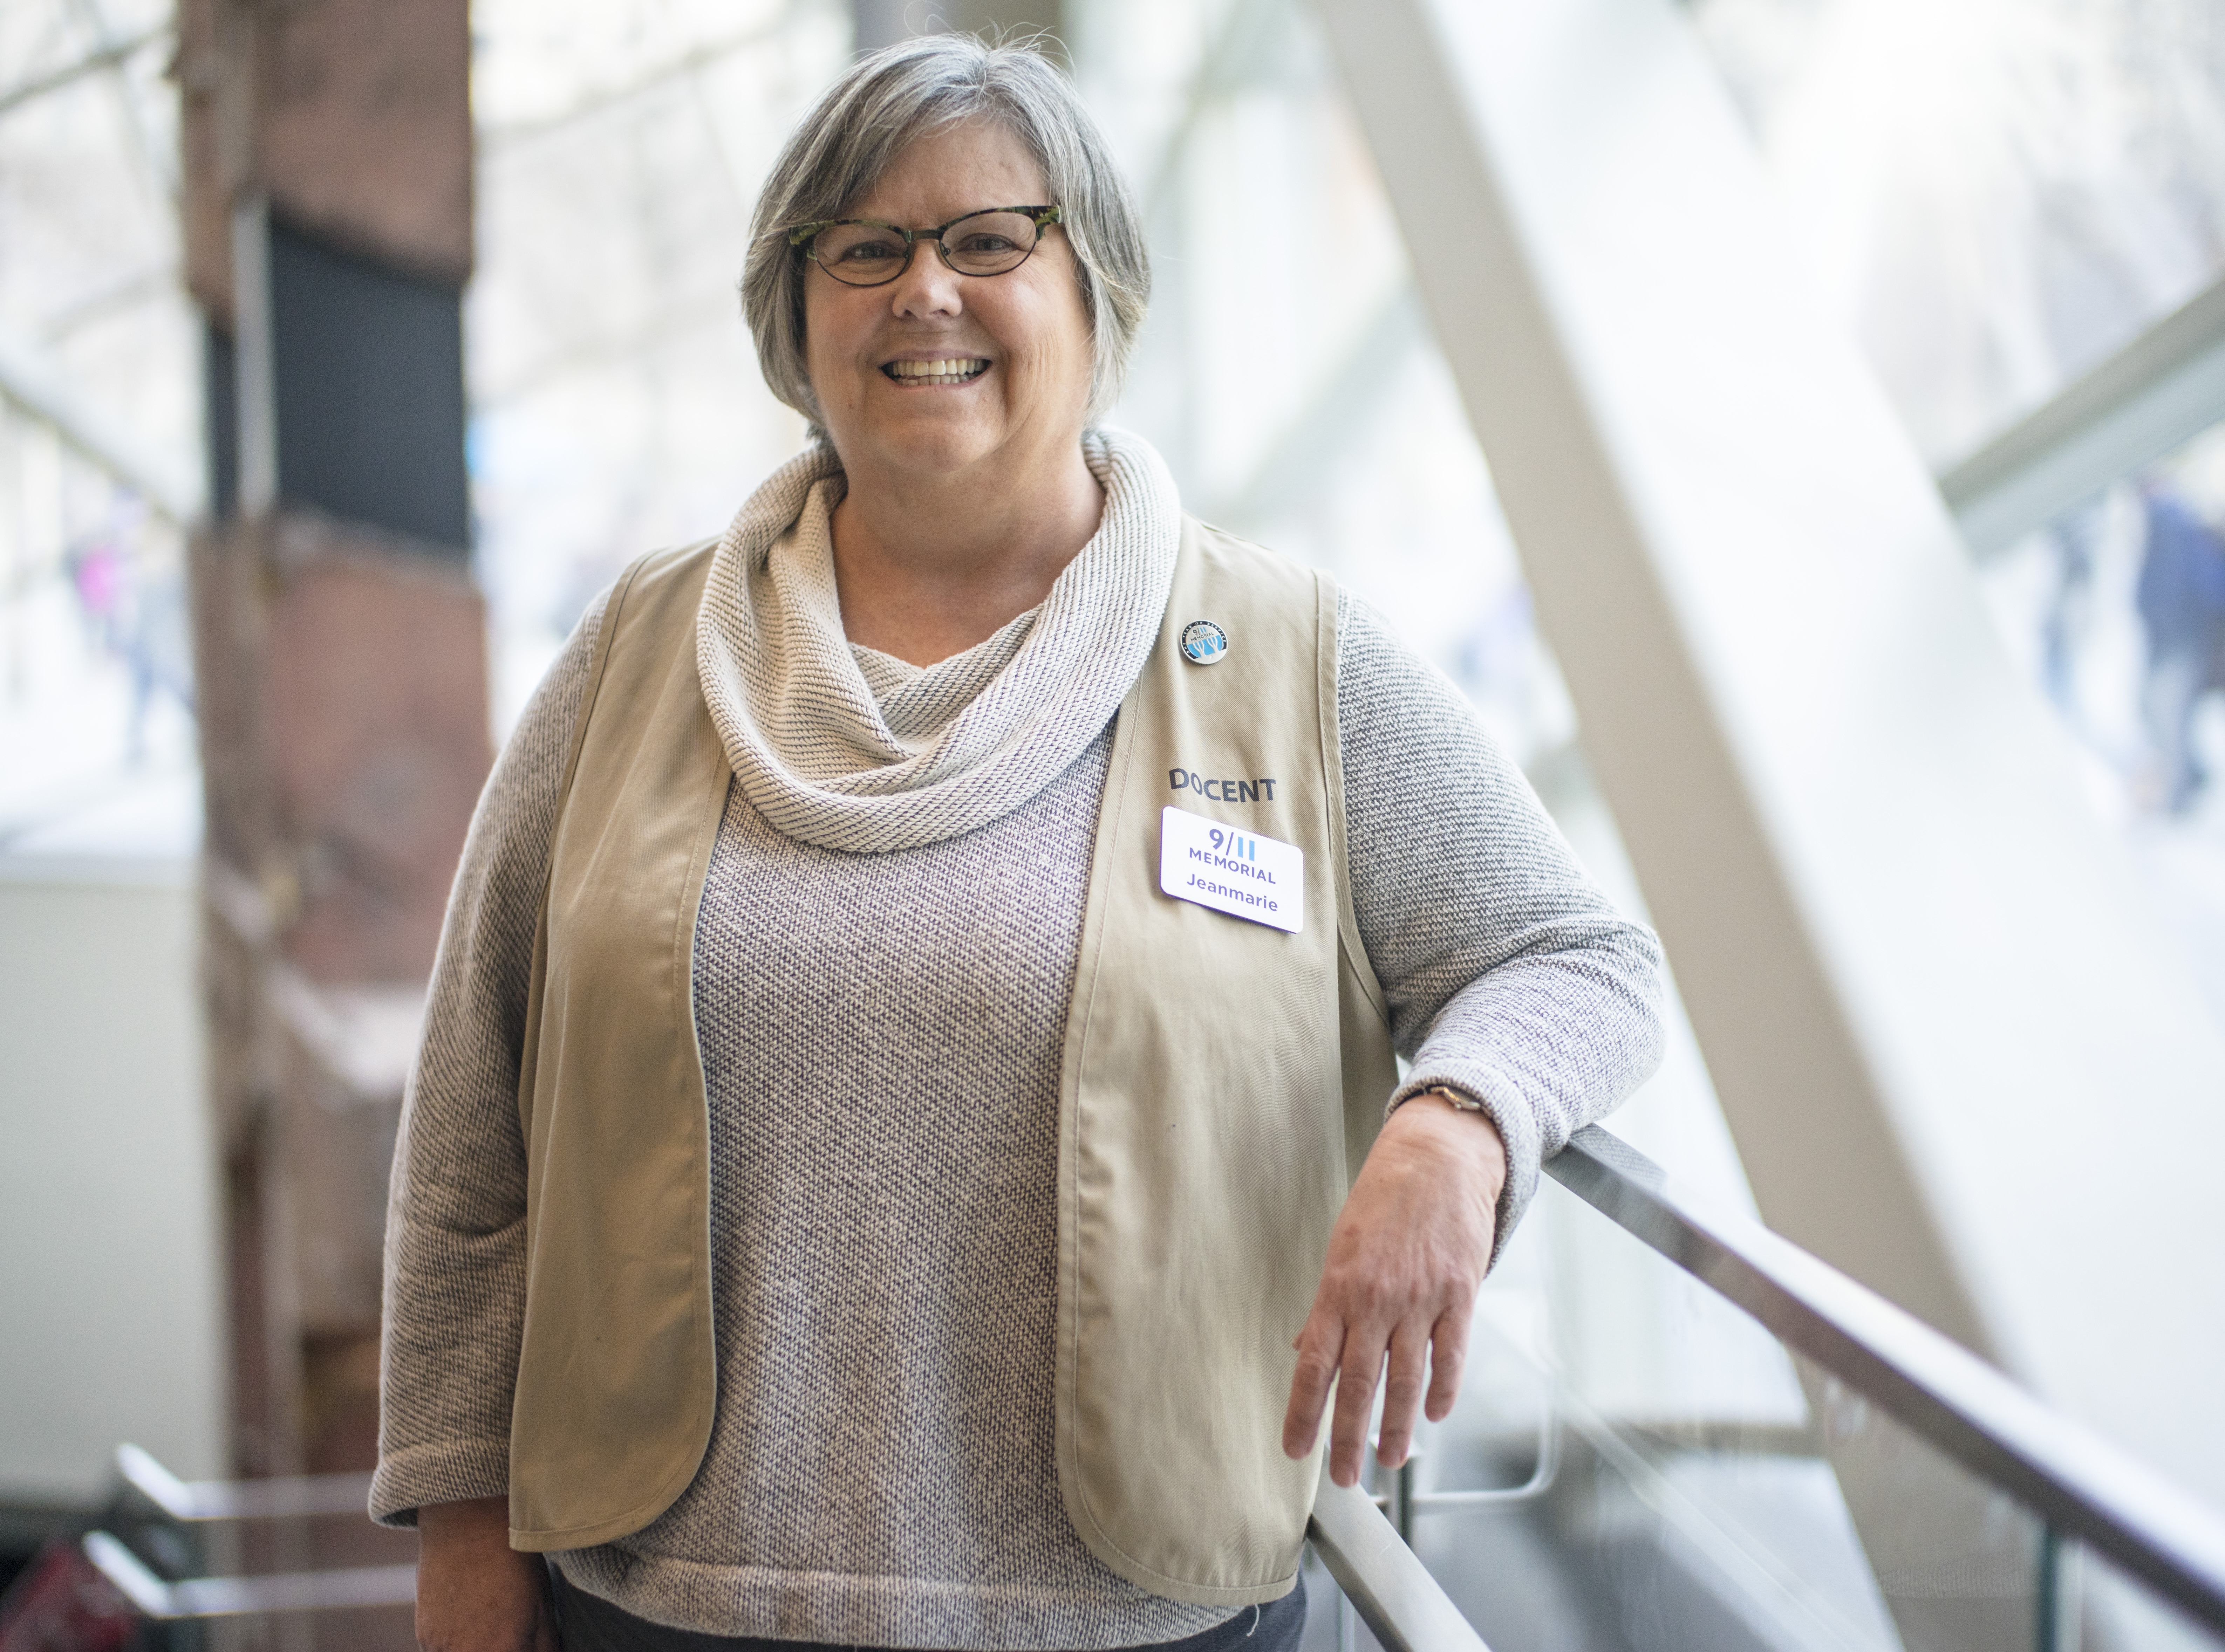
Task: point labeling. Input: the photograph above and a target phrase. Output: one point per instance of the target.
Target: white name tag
(1241, 873)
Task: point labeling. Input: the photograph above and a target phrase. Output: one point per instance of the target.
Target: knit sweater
(881, 1036)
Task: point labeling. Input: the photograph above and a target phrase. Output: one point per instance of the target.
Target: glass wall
(1995, 197)
(616, 400)
(98, 355)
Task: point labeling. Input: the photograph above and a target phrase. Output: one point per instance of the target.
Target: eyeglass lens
(867, 255)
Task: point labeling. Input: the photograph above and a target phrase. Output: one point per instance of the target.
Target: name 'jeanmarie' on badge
(1241, 873)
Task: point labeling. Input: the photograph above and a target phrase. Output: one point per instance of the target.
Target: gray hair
(865, 119)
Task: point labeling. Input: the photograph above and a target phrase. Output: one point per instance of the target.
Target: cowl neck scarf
(965, 741)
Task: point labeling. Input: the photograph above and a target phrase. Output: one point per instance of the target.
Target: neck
(926, 565)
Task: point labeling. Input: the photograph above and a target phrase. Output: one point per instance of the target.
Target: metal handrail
(1546, 1468)
(287, 1497)
(283, 1498)
(2080, 1484)
(1403, 1605)
(1405, 1608)
(276, 1591)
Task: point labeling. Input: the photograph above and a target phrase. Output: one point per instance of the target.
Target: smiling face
(937, 374)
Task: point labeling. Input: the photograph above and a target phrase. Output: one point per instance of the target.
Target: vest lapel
(1203, 1133)
(616, 1374)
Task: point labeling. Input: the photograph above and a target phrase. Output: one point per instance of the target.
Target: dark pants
(589, 1624)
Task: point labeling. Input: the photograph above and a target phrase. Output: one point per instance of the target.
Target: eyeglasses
(865, 252)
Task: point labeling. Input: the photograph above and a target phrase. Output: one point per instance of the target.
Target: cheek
(825, 327)
(1081, 358)
(1062, 350)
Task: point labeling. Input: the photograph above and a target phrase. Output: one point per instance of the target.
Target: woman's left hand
(1404, 1261)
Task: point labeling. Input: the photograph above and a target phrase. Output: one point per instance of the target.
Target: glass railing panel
(1638, 1464)
(1964, 1564)
(1685, 1499)
(1957, 1563)
(2097, 1606)
(286, 1565)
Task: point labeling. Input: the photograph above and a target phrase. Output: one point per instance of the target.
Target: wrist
(477, 1521)
(1457, 1122)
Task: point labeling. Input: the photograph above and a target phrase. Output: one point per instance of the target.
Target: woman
(921, 975)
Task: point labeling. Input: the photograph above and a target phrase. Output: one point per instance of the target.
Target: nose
(928, 289)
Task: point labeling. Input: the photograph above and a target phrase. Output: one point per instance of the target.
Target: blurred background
(347, 350)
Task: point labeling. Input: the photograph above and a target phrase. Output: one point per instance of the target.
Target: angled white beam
(1961, 1057)
(41, 389)
(2165, 387)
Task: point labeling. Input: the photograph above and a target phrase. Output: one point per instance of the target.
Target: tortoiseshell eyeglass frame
(802, 237)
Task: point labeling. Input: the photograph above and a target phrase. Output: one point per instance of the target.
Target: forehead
(959, 167)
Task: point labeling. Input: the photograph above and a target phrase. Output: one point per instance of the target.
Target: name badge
(1241, 873)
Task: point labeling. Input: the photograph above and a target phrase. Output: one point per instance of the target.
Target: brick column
(339, 647)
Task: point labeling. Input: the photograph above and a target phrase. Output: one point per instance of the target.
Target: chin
(932, 444)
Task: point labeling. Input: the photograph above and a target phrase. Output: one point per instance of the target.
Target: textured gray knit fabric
(881, 1037)
(828, 762)
(896, 1369)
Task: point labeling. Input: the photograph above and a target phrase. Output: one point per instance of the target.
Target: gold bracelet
(1459, 1098)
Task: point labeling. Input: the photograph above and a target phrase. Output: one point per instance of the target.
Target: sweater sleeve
(455, 1213)
(1509, 976)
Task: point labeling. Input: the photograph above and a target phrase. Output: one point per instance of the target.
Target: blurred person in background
(923, 975)
(2181, 599)
(2073, 542)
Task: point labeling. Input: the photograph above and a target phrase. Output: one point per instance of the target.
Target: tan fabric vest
(1220, 1077)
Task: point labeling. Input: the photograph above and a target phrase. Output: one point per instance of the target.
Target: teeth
(952, 368)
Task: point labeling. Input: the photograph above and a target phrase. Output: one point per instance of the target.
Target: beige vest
(1220, 1079)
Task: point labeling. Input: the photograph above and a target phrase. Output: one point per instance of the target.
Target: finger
(1402, 1392)
(1448, 1356)
(1319, 1346)
(1357, 1375)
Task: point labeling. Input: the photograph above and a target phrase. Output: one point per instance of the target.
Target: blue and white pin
(1204, 643)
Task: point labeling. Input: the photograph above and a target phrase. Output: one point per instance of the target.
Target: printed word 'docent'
(1222, 791)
